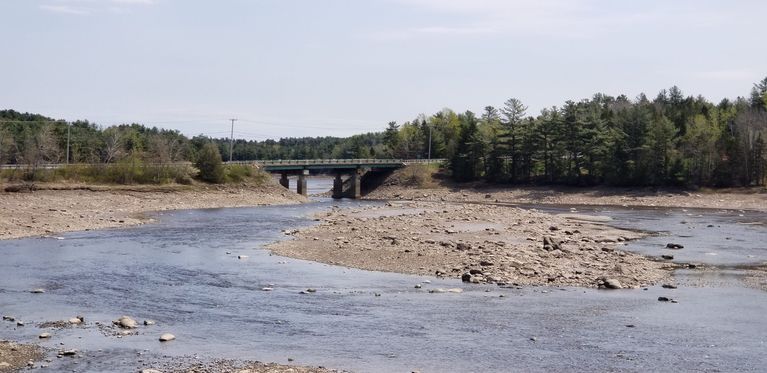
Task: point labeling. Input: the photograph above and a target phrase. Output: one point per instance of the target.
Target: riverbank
(427, 184)
(55, 208)
(735, 199)
(479, 244)
(15, 356)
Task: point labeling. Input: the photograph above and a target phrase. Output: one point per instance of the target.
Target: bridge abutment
(284, 181)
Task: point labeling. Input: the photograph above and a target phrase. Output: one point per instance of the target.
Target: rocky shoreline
(728, 199)
(65, 208)
(15, 356)
(505, 245)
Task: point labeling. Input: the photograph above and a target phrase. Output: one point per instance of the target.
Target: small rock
(674, 246)
(664, 299)
(44, 335)
(149, 322)
(167, 337)
(455, 290)
(19, 323)
(75, 321)
(310, 290)
(669, 286)
(150, 371)
(71, 352)
(417, 286)
(466, 277)
(667, 257)
(37, 291)
(9, 318)
(242, 257)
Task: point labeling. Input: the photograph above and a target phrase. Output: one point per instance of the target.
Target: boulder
(611, 283)
(125, 322)
(167, 337)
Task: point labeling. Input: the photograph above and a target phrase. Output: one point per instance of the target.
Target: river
(184, 272)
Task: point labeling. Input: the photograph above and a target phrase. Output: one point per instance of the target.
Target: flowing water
(183, 272)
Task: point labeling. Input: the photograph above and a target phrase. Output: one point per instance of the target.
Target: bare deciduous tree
(113, 144)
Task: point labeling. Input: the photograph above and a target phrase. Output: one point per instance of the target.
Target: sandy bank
(478, 243)
(64, 208)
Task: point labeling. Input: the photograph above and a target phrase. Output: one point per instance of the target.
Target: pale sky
(339, 67)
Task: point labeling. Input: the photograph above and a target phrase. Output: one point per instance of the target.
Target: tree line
(670, 140)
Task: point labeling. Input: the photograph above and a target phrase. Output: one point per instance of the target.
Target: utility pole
(231, 140)
(429, 142)
(69, 131)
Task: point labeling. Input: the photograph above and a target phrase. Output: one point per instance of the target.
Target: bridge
(357, 170)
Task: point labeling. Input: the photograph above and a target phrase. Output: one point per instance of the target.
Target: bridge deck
(323, 164)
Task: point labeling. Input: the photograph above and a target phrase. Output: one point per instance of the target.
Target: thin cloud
(565, 19)
(86, 7)
(64, 9)
(727, 74)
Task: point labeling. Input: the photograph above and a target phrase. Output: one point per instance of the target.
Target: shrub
(210, 165)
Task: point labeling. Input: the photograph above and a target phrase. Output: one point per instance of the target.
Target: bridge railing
(308, 162)
(424, 161)
(277, 162)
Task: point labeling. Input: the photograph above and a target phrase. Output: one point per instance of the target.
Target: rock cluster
(478, 244)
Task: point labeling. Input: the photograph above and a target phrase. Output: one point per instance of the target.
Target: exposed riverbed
(184, 273)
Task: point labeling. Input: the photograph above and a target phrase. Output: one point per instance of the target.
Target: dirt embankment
(404, 185)
(477, 243)
(60, 208)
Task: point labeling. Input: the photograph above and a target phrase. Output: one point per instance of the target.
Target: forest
(669, 140)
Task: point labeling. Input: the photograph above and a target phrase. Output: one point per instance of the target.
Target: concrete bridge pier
(338, 186)
(301, 189)
(355, 190)
(284, 181)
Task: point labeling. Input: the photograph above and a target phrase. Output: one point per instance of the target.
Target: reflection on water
(184, 273)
